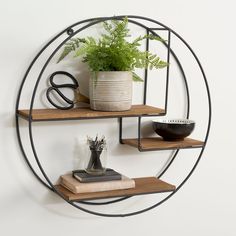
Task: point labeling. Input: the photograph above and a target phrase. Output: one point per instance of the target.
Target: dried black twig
(96, 144)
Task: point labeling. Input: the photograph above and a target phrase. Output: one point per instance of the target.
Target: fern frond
(156, 62)
(136, 78)
(66, 51)
(154, 37)
(107, 27)
(161, 64)
(81, 51)
(70, 46)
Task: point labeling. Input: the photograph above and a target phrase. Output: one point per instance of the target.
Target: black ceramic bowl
(173, 129)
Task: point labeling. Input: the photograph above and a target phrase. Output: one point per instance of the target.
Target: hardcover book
(75, 186)
(84, 177)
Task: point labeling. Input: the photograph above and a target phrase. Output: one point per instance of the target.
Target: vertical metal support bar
(139, 133)
(120, 130)
(146, 74)
(167, 72)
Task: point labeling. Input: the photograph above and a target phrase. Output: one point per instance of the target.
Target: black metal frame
(70, 31)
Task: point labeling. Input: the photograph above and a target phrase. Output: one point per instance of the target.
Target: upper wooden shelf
(153, 144)
(87, 113)
(145, 185)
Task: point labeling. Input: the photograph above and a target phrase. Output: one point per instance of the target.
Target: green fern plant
(112, 52)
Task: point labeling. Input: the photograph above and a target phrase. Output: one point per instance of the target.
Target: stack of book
(81, 182)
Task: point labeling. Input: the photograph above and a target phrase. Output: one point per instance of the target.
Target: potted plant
(112, 60)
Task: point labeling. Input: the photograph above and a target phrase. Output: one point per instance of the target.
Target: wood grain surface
(149, 144)
(145, 185)
(87, 113)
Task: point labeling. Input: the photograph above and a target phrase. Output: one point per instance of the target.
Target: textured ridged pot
(111, 90)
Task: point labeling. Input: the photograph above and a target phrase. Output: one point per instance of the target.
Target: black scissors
(56, 88)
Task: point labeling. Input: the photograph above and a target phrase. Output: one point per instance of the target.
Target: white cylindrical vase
(111, 91)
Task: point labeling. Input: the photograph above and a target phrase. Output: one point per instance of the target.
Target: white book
(75, 186)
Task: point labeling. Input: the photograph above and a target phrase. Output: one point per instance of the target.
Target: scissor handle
(75, 84)
(70, 102)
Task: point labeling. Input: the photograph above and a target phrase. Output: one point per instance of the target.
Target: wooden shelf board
(87, 113)
(145, 185)
(152, 144)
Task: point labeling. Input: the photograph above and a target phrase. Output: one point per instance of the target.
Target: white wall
(204, 206)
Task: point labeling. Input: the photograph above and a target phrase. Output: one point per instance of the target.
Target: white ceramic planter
(111, 91)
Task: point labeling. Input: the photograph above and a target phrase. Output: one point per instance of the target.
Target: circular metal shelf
(70, 32)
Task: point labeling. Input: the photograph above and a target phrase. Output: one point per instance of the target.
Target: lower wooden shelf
(152, 144)
(145, 185)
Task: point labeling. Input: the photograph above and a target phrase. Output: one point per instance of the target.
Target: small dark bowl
(173, 129)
